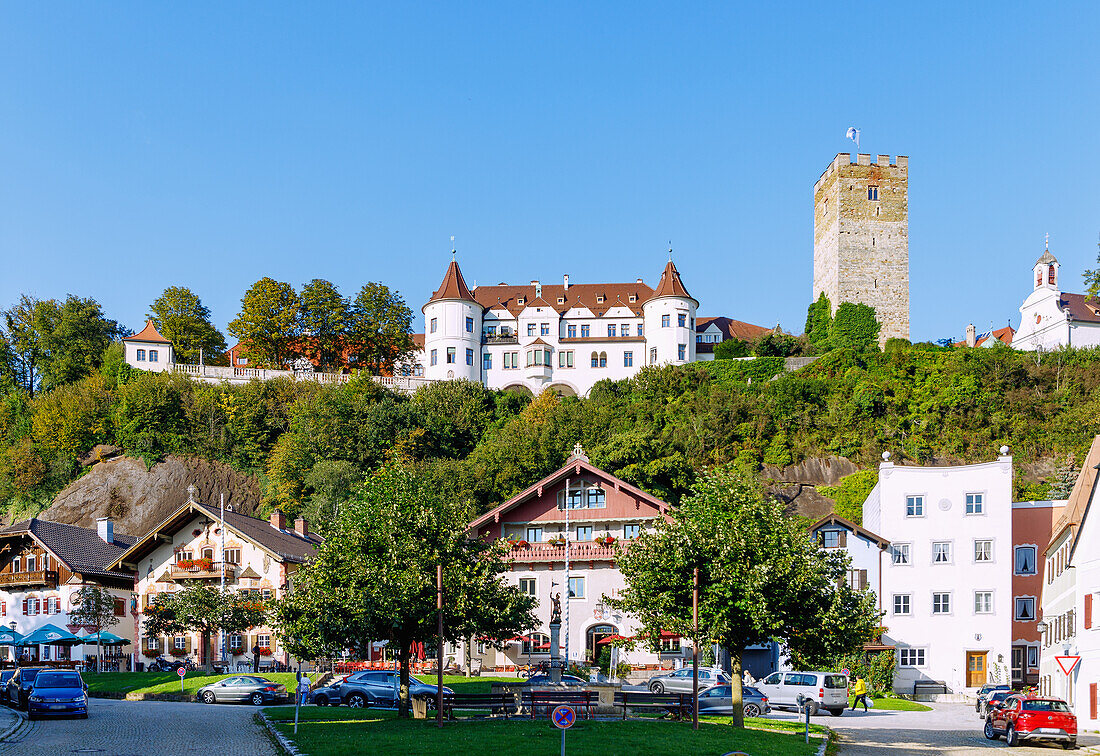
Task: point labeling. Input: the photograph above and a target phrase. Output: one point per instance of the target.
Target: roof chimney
(566, 284)
(278, 519)
(106, 529)
(640, 281)
(301, 527)
(971, 335)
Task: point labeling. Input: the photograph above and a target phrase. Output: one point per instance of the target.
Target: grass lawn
(165, 682)
(895, 704)
(339, 732)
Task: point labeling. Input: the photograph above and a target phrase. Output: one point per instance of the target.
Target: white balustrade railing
(214, 373)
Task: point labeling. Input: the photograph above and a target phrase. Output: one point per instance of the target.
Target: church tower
(861, 238)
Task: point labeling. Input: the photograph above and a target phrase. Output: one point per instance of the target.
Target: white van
(822, 690)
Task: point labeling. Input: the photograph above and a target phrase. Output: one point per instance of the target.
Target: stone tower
(861, 237)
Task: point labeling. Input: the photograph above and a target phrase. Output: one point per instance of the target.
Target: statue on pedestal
(555, 607)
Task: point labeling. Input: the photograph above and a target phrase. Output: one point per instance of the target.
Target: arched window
(1050, 274)
(603, 359)
(595, 360)
(208, 554)
(1038, 278)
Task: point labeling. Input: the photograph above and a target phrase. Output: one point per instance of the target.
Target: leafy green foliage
(876, 668)
(732, 348)
(379, 328)
(268, 325)
(183, 319)
(849, 496)
(324, 318)
(854, 327)
(205, 609)
(819, 319)
(94, 606)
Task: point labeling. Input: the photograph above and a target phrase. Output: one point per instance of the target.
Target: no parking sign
(563, 717)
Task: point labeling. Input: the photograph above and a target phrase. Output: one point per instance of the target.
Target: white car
(679, 681)
(820, 690)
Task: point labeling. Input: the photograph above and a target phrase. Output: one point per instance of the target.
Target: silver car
(253, 689)
(680, 680)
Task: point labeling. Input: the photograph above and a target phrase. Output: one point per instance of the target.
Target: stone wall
(861, 246)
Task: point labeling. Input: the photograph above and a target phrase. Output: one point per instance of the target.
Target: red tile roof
(670, 284)
(148, 333)
(505, 297)
(732, 329)
(453, 286)
(418, 340)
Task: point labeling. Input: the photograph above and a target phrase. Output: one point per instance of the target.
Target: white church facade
(1051, 318)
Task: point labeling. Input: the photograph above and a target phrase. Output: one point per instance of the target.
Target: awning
(9, 637)
(49, 635)
(104, 638)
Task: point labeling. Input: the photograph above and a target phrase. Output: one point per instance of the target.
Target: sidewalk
(10, 721)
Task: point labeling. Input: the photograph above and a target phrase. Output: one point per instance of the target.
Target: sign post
(563, 718)
(181, 671)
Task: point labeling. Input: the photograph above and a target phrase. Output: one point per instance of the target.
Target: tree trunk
(738, 711)
(208, 661)
(469, 653)
(403, 690)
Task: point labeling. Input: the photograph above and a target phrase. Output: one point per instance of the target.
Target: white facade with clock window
(947, 578)
(1050, 318)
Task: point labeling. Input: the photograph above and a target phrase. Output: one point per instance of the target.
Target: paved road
(949, 729)
(145, 728)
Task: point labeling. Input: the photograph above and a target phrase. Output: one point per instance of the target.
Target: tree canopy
(183, 319)
(205, 609)
(268, 325)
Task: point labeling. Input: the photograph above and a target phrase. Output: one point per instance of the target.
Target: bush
(854, 327)
(876, 668)
(732, 348)
(896, 345)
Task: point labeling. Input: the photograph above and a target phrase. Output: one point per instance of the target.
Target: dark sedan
(717, 701)
(5, 675)
(19, 686)
(57, 693)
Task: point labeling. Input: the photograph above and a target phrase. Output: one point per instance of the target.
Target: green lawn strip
(897, 704)
(165, 682)
(339, 732)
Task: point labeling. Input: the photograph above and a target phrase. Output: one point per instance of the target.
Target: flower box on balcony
(521, 544)
(265, 651)
(606, 540)
(185, 564)
(204, 564)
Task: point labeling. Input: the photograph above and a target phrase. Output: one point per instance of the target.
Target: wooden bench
(676, 704)
(494, 703)
(929, 688)
(585, 700)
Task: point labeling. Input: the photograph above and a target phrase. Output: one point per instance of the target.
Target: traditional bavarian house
(198, 542)
(43, 564)
(585, 513)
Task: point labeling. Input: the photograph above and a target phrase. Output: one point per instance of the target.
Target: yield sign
(1067, 663)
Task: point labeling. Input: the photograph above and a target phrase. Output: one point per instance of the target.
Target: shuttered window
(1088, 614)
(1092, 701)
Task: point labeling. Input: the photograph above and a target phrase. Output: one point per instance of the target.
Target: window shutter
(1088, 613)
(862, 579)
(187, 644)
(25, 607)
(843, 538)
(1092, 700)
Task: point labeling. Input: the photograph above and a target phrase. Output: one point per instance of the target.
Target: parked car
(680, 680)
(254, 689)
(57, 693)
(1033, 718)
(381, 689)
(985, 692)
(5, 675)
(19, 686)
(995, 700)
(820, 690)
(716, 700)
(565, 680)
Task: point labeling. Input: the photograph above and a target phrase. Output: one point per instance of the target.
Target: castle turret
(452, 330)
(1046, 271)
(670, 321)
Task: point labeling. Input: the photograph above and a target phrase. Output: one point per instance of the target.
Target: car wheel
(837, 712)
(357, 701)
(257, 698)
(1069, 745)
(1012, 737)
(990, 733)
(657, 688)
(208, 697)
(321, 700)
(811, 708)
(752, 710)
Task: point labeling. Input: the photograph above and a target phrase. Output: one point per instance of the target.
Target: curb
(20, 720)
(282, 741)
(825, 742)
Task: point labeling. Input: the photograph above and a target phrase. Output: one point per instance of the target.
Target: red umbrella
(612, 638)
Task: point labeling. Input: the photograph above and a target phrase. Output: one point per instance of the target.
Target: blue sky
(144, 145)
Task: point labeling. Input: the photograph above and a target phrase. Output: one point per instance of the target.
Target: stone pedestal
(555, 651)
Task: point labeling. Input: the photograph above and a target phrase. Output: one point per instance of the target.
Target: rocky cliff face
(796, 485)
(138, 499)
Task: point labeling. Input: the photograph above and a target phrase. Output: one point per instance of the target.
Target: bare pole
(567, 590)
(439, 646)
(695, 650)
(221, 630)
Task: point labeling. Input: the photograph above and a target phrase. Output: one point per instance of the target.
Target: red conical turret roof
(670, 284)
(148, 333)
(453, 286)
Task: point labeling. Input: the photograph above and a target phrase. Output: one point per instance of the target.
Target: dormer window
(521, 300)
(561, 300)
(633, 297)
(599, 299)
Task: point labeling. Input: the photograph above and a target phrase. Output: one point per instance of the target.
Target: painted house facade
(1032, 526)
(710, 332)
(148, 350)
(947, 586)
(599, 507)
(869, 552)
(44, 564)
(253, 556)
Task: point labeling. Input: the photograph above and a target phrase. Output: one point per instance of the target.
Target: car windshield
(29, 674)
(58, 681)
(999, 696)
(1059, 706)
(836, 681)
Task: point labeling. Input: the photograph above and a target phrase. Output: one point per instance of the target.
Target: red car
(1033, 718)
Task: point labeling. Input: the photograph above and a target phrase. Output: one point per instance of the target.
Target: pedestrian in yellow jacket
(859, 690)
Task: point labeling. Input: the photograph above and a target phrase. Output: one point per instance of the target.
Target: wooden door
(975, 668)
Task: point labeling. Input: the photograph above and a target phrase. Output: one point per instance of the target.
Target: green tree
(849, 495)
(206, 610)
(24, 341)
(324, 320)
(268, 325)
(94, 606)
(374, 576)
(854, 327)
(819, 317)
(761, 578)
(379, 328)
(183, 319)
(732, 348)
(73, 336)
(1092, 277)
(330, 483)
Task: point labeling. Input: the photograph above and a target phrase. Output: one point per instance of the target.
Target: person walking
(859, 690)
(255, 658)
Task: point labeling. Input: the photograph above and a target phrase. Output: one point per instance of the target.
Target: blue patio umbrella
(9, 637)
(49, 635)
(105, 638)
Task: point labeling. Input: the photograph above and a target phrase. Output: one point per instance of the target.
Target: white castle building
(560, 336)
(1050, 318)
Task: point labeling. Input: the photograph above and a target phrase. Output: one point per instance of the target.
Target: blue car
(59, 693)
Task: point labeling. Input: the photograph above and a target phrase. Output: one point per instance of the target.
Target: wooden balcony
(578, 552)
(195, 572)
(29, 579)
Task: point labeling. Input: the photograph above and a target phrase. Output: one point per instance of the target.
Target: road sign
(845, 672)
(1067, 663)
(181, 671)
(563, 717)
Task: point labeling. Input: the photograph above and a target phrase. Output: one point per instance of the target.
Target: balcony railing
(510, 338)
(198, 572)
(582, 552)
(38, 577)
